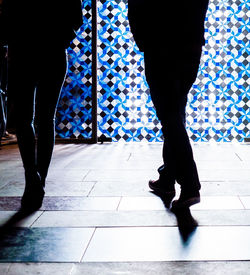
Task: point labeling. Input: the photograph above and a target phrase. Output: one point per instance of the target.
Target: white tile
(5, 216)
(219, 164)
(100, 203)
(225, 188)
(233, 174)
(166, 244)
(141, 203)
(218, 202)
(52, 188)
(121, 188)
(142, 175)
(155, 203)
(105, 219)
(67, 174)
(68, 188)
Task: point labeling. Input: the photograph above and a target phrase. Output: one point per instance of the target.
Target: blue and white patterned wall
(74, 117)
(219, 101)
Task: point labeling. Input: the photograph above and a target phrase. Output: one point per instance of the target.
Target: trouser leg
(169, 89)
(48, 91)
(24, 109)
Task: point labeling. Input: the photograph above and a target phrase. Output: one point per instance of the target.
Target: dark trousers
(35, 81)
(170, 75)
(3, 96)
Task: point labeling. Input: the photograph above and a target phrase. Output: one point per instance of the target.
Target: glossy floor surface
(100, 217)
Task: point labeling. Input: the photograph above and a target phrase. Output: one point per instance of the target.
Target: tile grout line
(130, 154)
(238, 157)
(242, 202)
(88, 195)
(119, 203)
(89, 170)
(81, 260)
(31, 226)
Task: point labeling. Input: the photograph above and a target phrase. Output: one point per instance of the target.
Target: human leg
(187, 175)
(169, 94)
(48, 91)
(158, 80)
(21, 90)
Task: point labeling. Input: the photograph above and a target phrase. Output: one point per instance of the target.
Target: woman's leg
(48, 91)
(21, 91)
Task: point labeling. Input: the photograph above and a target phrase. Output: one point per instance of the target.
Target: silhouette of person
(171, 35)
(38, 34)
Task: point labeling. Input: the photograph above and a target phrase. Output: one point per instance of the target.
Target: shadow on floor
(13, 221)
(186, 223)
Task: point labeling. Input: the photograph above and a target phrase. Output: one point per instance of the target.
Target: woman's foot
(159, 186)
(33, 193)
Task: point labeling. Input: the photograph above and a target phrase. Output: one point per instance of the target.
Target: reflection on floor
(99, 216)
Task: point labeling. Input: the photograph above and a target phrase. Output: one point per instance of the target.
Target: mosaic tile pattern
(218, 108)
(125, 108)
(74, 110)
(219, 102)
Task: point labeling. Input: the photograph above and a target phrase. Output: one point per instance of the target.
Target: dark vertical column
(94, 70)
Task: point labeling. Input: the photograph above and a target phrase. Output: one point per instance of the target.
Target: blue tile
(44, 244)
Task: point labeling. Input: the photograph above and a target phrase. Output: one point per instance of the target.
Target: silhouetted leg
(169, 85)
(178, 155)
(158, 77)
(25, 131)
(22, 90)
(48, 91)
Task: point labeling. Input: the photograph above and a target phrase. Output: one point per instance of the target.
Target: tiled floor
(99, 216)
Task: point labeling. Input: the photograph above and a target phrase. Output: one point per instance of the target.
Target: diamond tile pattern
(74, 118)
(218, 107)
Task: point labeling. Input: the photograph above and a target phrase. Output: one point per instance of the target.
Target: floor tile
(40, 268)
(141, 203)
(138, 218)
(11, 175)
(8, 163)
(85, 191)
(12, 189)
(68, 188)
(142, 175)
(121, 188)
(6, 216)
(218, 202)
(44, 244)
(80, 203)
(243, 152)
(105, 218)
(155, 203)
(166, 244)
(211, 152)
(137, 268)
(4, 268)
(245, 201)
(52, 188)
(222, 217)
(163, 268)
(224, 174)
(67, 174)
(65, 203)
(10, 203)
(226, 188)
(217, 164)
